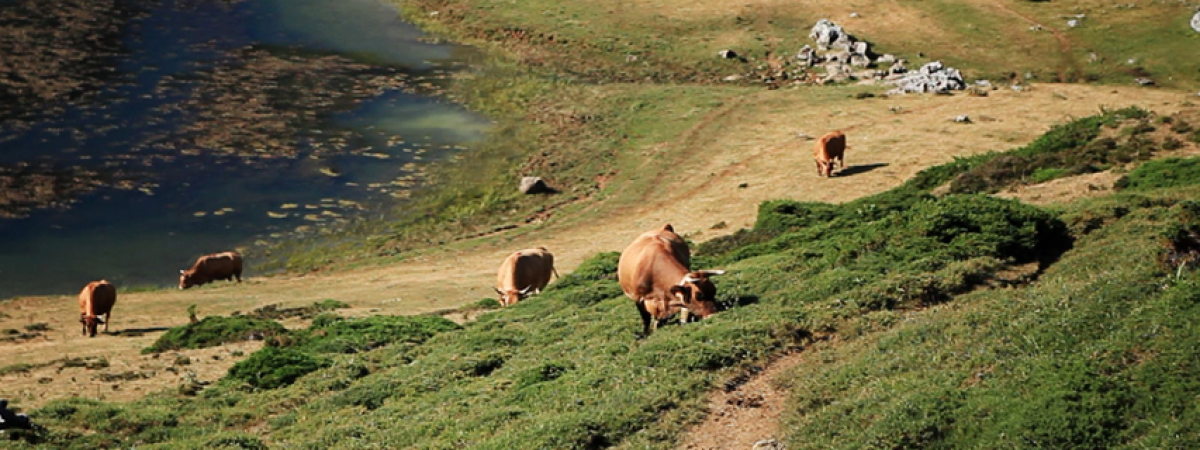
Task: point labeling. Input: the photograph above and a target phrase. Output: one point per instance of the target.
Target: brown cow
(97, 298)
(217, 266)
(655, 272)
(830, 148)
(524, 272)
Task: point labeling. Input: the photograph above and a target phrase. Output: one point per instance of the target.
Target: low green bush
(1162, 173)
(333, 334)
(215, 330)
(274, 367)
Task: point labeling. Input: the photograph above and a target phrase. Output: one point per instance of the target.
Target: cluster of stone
(845, 58)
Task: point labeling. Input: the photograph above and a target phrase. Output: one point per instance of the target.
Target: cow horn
(498, 291)
(527, 290)
(181, 271)
(711, 272)
(688, 279)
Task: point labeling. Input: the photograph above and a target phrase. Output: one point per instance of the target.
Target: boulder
(1196, 22)
(727, 54)
(932, 77)
(533, 185)
(830, 35)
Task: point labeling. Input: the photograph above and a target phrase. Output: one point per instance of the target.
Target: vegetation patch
(274, 312)
(273, 367)
(1074, 148)
(334, 334)
(215, 330)
(1162, 173)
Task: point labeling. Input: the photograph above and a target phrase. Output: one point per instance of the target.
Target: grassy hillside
(948, 322)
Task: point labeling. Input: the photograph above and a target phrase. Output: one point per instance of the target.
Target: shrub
(333, 334)
(602, 267)
(274, 312)
(1163, 173)
(215, 330)
(273, 367)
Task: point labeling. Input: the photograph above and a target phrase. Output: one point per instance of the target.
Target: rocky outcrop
(847, 58)
(932, 77)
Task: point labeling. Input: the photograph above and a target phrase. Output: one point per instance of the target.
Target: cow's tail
(555, 271)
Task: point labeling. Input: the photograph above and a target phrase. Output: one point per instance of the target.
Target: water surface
(186, 192)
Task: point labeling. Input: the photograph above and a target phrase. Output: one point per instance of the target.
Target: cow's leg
(238, 274)
(646, 319)
(820, 170)
(107, 319)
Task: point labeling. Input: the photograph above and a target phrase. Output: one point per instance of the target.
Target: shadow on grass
(136, 332)
(861, 168)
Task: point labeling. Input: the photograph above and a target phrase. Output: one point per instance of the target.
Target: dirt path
(1064, 44)
(752, 141)
(748, 414)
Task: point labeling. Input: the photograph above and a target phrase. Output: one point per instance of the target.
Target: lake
(156, 131)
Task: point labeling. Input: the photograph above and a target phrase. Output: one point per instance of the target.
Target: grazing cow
(217, 266)
(830, 147)
(97, 298)
(522, 273)
(655, 272)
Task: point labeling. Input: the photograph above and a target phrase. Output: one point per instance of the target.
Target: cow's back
(525, 268)
(97, 298)
(219, 265)
(830, 146)
(636, 267)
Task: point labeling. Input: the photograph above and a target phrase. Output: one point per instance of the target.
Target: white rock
(1196, 22)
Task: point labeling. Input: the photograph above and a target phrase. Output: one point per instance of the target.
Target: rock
(768, 444)
(829, 35)
(1143, 81)
(728, 54)
(858, 60)
(962, 118)
(533, 185)
(932, 77)
(855, 15)
(732, 78)
(886, 58)
(898, 67)
(1196, 22)
(1073, 23)
(860, 48)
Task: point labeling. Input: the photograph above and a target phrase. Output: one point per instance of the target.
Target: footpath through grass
(965, 321)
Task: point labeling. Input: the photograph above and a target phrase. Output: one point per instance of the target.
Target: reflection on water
(189, 168)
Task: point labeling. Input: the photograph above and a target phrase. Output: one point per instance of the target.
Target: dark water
(190, 200)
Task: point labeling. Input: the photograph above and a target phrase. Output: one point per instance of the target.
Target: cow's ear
(498, 291)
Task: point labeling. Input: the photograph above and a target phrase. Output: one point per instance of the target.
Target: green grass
(1163, 173)
(939, 346)
(215, 330)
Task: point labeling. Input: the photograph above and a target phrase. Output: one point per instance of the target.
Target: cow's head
(696, 293)
(512, 296)
(89, 324)
(187, 279)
